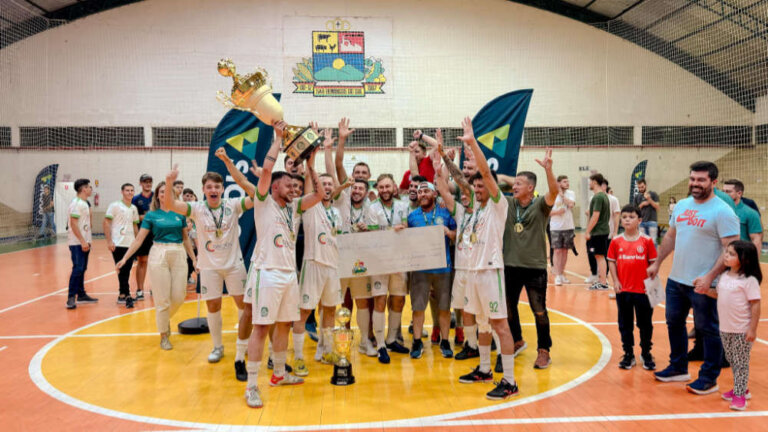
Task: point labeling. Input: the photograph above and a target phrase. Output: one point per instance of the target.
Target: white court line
(52, 294)
(2, 348)
(608, 418)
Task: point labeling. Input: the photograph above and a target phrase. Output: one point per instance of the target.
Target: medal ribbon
(424, 215)
(519, 219)
(221, 216)
(332, 218)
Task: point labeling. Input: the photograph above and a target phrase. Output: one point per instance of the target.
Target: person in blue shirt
(438, 279)
(167, 260)
(143, 201)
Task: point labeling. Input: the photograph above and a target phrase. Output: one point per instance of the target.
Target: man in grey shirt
(648, 203)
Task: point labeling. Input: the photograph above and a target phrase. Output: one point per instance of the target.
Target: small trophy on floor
(342, 345)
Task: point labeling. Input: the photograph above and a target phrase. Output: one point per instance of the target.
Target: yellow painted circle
(118, 368)
(338, 63)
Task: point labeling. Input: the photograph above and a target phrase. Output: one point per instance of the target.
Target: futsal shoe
(311, 329)
(287, 379)
(253, 397)
(591, 279)
(648, 362)
(459, 338)
(216, 354)
(397, 348)
(729, 395)
(121, 299)
(701, 388)
(301, 367)
(628, 361)
(467, 352)
(671, 375)
(241, 374)
(520, 346)
(271, 365)
(329, 358)
(445, 349)
(140, 295)
(383, 355)
(366, 347)
(503, 390)
(543, 360)
(417, 349)
(435, 338)
(85, 298)
(128, 302)
(499, 368)
(71, 303)
(476, 377)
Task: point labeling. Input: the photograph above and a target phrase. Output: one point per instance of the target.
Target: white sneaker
(558, 280)
(253, 397)
(367, 348)
(564, 279)
(318, 355)
(612, 295)
(591, 279)
(216, 354)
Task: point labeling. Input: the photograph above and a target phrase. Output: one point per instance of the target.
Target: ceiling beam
(635, 4)
(45, 11)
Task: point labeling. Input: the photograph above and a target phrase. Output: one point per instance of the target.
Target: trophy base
(342, 375)
(303, 145)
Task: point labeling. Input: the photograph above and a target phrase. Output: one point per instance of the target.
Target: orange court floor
(99, 368)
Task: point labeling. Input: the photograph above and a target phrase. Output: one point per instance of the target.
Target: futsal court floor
(99, 368)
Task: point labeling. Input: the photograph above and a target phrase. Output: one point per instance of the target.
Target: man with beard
(437, 280)
(562, 228)
(142, 202)
(700, 227)
(386, 213)
(648, 203)
(413, 193)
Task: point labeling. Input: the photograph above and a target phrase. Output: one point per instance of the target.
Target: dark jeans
(125, 272)
(680, 299)
(535, 282)
(79, 266)
(630, 305)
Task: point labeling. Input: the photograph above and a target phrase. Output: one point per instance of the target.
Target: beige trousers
(167, 265)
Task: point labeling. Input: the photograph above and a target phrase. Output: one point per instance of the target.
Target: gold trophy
(342, 344)
(253, 93)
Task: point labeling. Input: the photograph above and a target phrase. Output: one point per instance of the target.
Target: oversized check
(382, 252)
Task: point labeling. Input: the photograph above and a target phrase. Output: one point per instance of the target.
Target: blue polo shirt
(438, 216)
(142, 203)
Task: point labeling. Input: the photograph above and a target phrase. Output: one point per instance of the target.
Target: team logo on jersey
(278, 241)
(264, 311)
(122, 231)
(377, 285)
(322, 238)
(209, 246)
(359, 268)
(203, 289)
(249, 293)
(227, 211)
(640, 249)
(305, 298)
(439, 220)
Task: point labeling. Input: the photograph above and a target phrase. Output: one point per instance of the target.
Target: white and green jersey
(350, 216)
(463, 236)
(276, 229)
(218, 233)
(124, 217)
(80, 210)
(381, 217)
(321, 226)
(486, 234)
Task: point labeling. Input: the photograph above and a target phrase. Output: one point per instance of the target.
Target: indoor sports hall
(113, 90)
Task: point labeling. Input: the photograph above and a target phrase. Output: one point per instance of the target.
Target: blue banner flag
(498, 129)
(42, 201)
(637, 174)
(245, 138)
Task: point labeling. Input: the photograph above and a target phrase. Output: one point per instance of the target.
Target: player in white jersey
(485, 282)
(272, 287)
(386, 213)
(462, 213)
(79, 240)
(121, 225)
(219, 257)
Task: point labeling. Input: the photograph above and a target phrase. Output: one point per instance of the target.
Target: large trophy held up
(342, 345)
(253, 93)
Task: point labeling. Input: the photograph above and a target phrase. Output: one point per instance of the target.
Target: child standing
(629, 255)
(738, 305)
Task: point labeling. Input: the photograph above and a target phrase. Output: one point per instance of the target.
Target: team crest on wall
(338, 66)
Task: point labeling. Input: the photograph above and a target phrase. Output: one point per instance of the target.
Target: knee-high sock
(327, 339)
(470, 333)
(214, 324)
(394, 325)
(363, 317)
(298, 345)
(485, 358)
(278, 359)
(378, 328)
(253, 372)
(241, 347)
(508, 362)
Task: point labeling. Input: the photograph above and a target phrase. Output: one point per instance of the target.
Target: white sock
(363, 318)
(298, 345)
(241, 346)
(394, 324)
(470, 333)
(378, 328)
(253, 372)
(496, 339)
(278, 360)
(508, 362)
(214, 324)
(485, 358)
(327, 339)
(269, 347)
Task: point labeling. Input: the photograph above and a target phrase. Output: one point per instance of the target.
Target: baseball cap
(145, 177)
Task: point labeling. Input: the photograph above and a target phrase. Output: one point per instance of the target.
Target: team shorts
(394, 284)
(485, 294)
(598, 245)
(273, 294)
(562, 239)
(458, 299)
(212, 282)
(359, 287)
(319, 283)
(421, 285)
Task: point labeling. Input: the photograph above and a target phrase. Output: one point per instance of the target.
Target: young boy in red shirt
(629, 255)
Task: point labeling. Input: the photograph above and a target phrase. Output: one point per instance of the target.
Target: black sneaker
(499, 368)
(410, 328)
(397, 348)
(648, 363)
(240, 372)
(383, 355)
(417, 349)
(121, 299)
(128, 302)
(445, 349)
(71, 304)
(503, 390)
(270, 366)
(493, 345)
(476, 377)
(467, 352)
(85, 298)
(140, 295)
(628, 361)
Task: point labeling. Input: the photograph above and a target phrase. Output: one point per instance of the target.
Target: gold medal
(519, 227)
(293, 237)
(334, 232)
(473, 238)
(218, 232)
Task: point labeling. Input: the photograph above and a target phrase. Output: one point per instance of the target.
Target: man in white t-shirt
(613, 222)
(562, 228)
(219, 258)
(387, 213)
(272, 286)
(79, 240)
(121, 224)
(485, 290)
